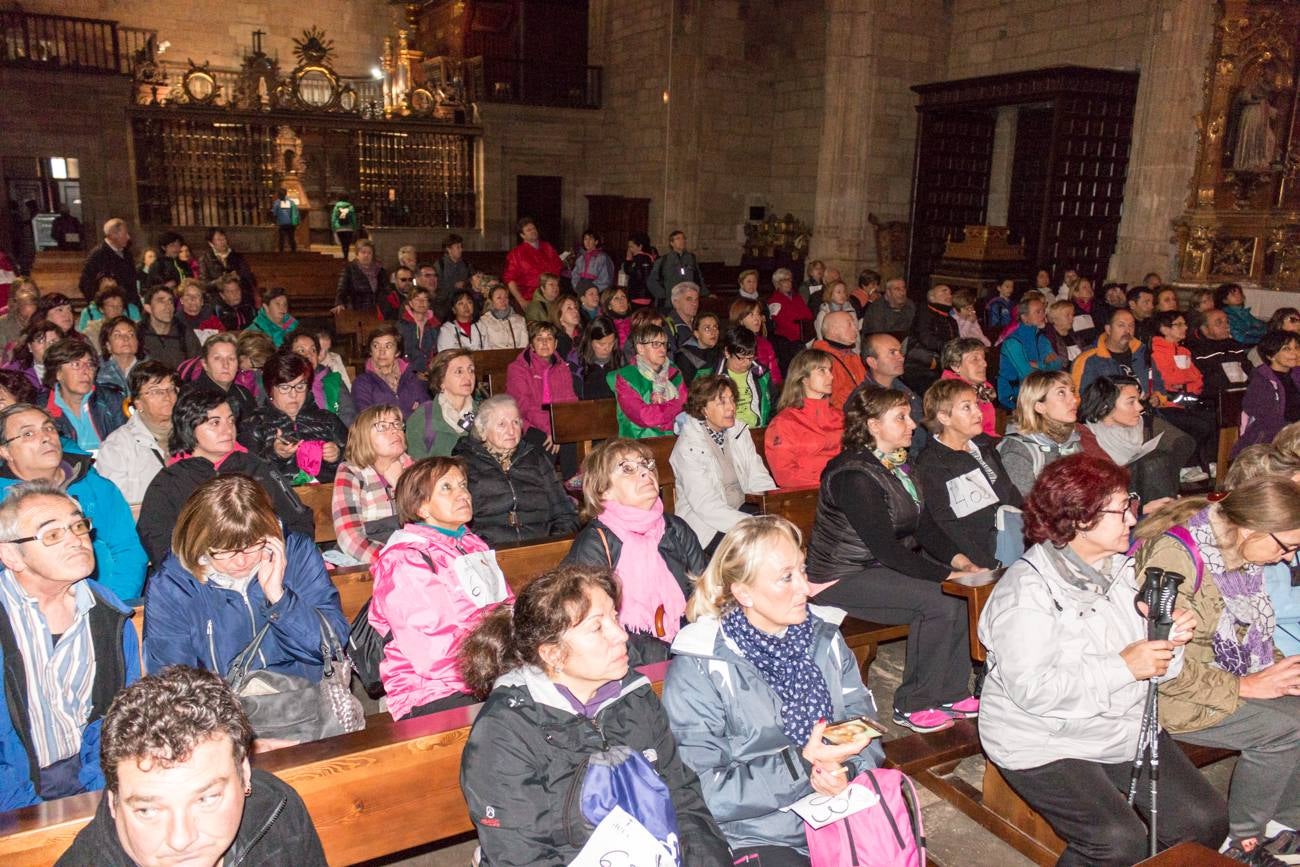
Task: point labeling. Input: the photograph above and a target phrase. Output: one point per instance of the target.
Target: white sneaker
(1191, 475)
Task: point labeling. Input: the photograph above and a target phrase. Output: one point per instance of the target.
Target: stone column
(1004, 154)
(1164, 136)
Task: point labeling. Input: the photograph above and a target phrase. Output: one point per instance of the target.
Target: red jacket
(1186, 377)
(525, 265)
(800, 441)
(790, 310)
(524, 382)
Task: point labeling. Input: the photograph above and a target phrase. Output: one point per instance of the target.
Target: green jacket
(632, 375)
(428, 435)
(344, 217)
(760, 385)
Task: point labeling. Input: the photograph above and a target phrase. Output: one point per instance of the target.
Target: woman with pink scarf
(653, 554)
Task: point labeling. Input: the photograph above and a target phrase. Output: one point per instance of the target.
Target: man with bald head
(111, 258)
(839, 340)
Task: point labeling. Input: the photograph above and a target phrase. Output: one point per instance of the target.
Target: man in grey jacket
(678, 265)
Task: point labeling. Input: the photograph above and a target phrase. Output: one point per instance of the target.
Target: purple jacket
(370, 389)
(1263, 407)
(524, 384)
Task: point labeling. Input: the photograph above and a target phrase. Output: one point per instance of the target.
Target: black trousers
(568, 455)
(1199, 423)
(768, 856)
(1086, 805)
(345, 241)
(938, 666)
(287, 236)
(748, 509)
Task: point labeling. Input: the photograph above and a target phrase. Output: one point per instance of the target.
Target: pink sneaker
(967, 708)
(924, 721)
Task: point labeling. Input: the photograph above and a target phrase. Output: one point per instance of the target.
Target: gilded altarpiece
(1243, 219)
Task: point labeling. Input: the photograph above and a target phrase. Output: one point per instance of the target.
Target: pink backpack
(890, 834)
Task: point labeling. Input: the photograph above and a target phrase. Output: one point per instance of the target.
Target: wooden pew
(317, 498)
(372, 793)
(490, 367)
(523, 562)
(1228, 410)
(583, 423)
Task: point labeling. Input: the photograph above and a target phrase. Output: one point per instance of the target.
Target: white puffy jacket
(698, 477)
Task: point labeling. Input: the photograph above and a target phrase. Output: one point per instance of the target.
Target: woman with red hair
(1069, 664)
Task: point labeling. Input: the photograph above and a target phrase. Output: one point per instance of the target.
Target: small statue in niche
(1254, 148)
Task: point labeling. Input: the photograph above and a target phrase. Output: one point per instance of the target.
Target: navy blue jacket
(105, 409)
(117, 665)
(188, 622)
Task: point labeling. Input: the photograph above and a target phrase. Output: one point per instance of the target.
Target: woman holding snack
(754, 680)
(1069, 664)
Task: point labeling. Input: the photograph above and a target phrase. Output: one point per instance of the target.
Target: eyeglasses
(54, 535)
(744, 355)
(31, 433)
(385, 426)
(657, 344)
(82, 364)
(168, 391)
(632, 468)
(1286, 549)
(227, 556)
(290, 388)
(1132, 508)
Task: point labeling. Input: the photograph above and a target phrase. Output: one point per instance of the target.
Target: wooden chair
(352, 326)
(317, 498)
(1229, 416)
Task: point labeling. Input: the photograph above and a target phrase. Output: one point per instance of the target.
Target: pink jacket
(524, 384)
(429, 611)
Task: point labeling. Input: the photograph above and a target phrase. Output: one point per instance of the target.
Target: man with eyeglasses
(32, 452)
(84, 413)
(134, 453)
(68, 648)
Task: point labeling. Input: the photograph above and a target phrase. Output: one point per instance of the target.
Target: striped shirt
(59, 677)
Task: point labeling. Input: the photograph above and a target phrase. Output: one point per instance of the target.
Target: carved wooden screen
(952, 182)
(415, 178)
(1029, 178)
(192, 172)
(1085, 193)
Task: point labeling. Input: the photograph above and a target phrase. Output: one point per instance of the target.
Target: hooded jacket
(117, 665)
(278, 333)
(509, 333)
(430, 591)
(695, 461)
(1244, 326)
(1211, 356)
(691, 358)
(1057, 687)
(727, 723)
(1024, 455)
(258, 432)
(801, 440)
(524, 382)
(429, 435)
(524, 503)
(967, 520)
(524, 765)
(119, 560)
(173, 485)
(420, 341)
(354, 290)
(104, 408)
(1185, 377)
(275, 830)
(197, 623)
(1263, 406)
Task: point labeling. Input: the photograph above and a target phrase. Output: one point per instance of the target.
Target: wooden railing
(61, 42)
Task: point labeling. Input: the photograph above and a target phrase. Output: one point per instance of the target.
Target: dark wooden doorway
(616, 218)
(541, 197)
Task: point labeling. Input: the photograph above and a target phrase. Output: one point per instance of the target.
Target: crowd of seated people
(157, 460)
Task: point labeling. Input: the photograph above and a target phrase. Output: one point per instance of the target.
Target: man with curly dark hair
(178, 785)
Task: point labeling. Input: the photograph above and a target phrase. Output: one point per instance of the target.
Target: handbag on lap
(288, 707)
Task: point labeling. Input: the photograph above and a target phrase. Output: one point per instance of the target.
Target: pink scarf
(650, 592)
(310, 456)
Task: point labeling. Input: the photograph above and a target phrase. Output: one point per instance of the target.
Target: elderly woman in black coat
(517, 496)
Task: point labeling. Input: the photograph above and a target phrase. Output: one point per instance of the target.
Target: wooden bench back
(583, 423)
(490, 367)
(318, 499)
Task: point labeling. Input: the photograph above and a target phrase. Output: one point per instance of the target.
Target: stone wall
(222, 32)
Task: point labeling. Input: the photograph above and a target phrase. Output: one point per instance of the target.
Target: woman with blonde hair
(1236, 691)
(233, 570)
(1045, 427)
(753, 681)
(653, 554)
(363, 505)
(805, 433)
